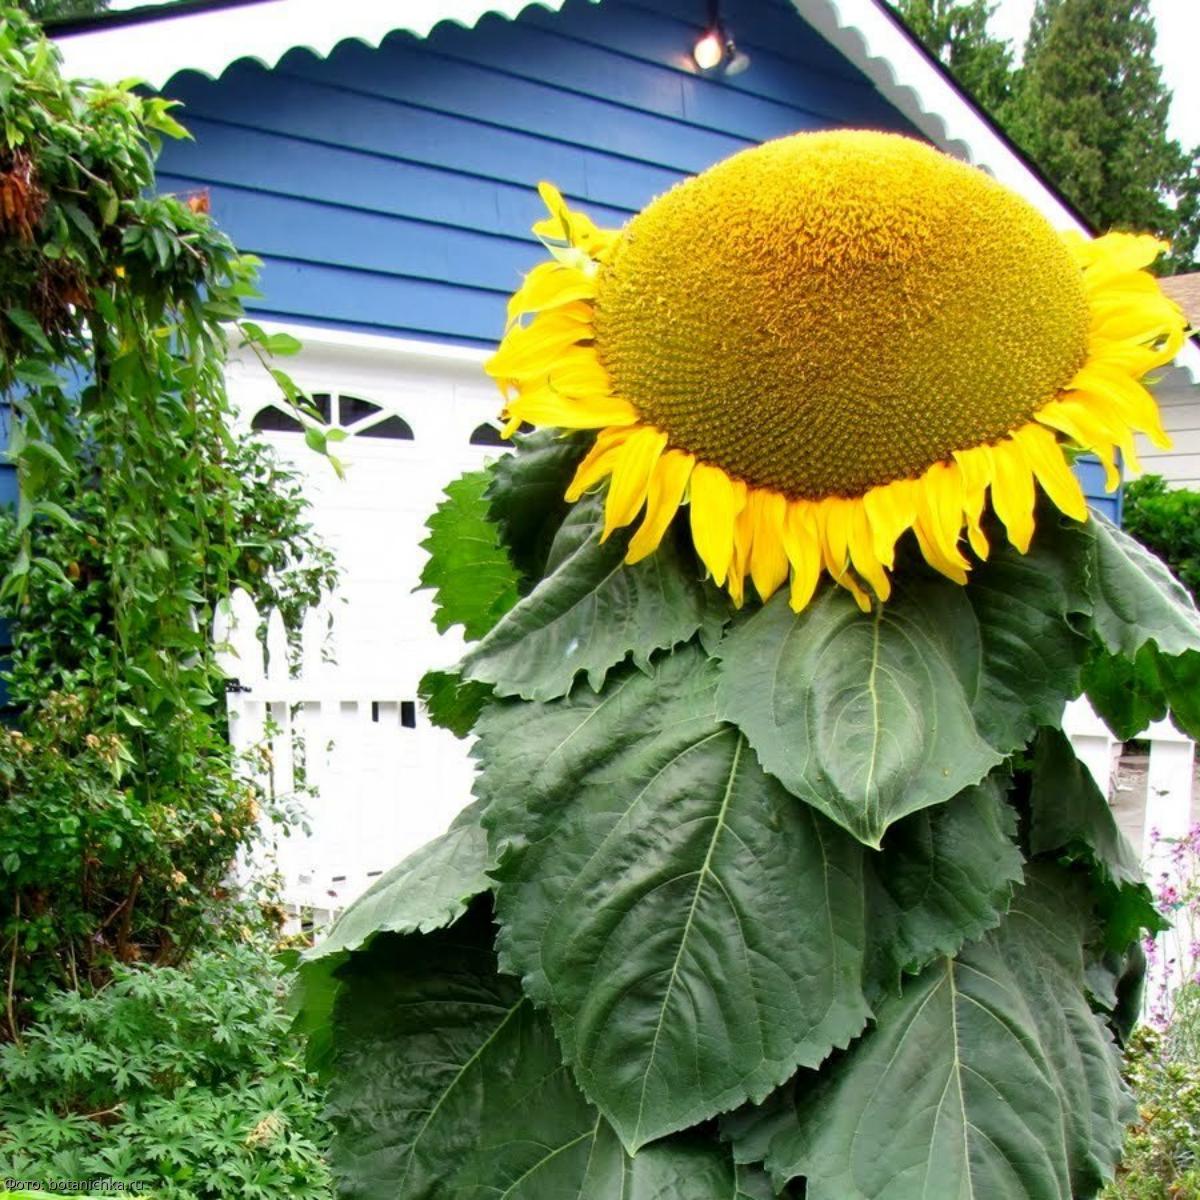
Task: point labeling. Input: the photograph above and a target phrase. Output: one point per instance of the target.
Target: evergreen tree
(1090, 106)
(1185, 241)
(956, 33)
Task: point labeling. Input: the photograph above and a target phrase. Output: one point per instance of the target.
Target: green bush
(183, 1080)
(1167, 521)
(139, 514)
(1162, 1150)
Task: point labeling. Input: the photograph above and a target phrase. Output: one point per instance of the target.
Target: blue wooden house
(382, 161)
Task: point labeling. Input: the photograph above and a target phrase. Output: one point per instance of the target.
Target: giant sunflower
(828, 340)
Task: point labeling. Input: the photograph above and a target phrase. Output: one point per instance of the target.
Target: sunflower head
(826, 341)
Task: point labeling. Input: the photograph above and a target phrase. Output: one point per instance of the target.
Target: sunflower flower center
(915, 307)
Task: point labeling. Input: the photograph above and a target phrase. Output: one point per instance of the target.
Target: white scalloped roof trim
(209, 42)
(886, 53)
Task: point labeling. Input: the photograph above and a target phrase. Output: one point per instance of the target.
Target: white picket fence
(372, 777)
(376, 779)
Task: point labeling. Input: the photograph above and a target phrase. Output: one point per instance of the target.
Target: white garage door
(385, 781)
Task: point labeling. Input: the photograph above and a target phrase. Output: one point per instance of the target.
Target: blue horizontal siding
(1091, 476)
(392, 189)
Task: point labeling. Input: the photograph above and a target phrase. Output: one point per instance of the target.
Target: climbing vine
(139, 513)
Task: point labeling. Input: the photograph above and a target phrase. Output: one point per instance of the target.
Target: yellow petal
(598, 462)
(532, 349)
(743, 542)
(975, 471)
(940, 514)
(768, 562)
(891, 510)
(715, 501)
(547, 406)
(1058, 481)
(667, 486)
(934, 557)
(630, 480)
(549, 285)
(577, 372)
(862, 552)
(1013, 493)
(803, 551)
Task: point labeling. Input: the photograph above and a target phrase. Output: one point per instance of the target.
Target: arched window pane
(487, 435)
(275, 420)
(352, 408)
(393, 427)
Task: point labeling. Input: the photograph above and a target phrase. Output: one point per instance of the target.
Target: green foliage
(1147, 657)
(873, 719)
(185, 1081)
(990, 1073)
(644, 916)
(1166, 521)
(469, 571)
(956, 31)
(1092, 110)
(1162, 1151)
(589, 613)
(945, 876)
(62, 10)
(121, 805)
(916, 998)
(478, 1100)
(525, 497)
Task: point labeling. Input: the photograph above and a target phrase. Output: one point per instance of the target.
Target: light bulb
(708, 50)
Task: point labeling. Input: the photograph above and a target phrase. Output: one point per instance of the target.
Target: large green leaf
(1031, 652)
(867, 716)
(473, 580)
(449, 1086)
(871, 716)
(1126, 693)
(945, 875)
(525, 497)
(452, 703)
(1068, 810)
(589, 613)
(988, 1078)
(429, 890)
(1180, 677)
(1069, 816)
(1131, 693)
(1137, 599)
(695, 931)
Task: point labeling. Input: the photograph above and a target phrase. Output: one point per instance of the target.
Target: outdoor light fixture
(715, 49)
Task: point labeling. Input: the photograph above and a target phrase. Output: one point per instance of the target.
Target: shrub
(183, 1080)
(1167, 521)
(122, 805)
(1162, 1151)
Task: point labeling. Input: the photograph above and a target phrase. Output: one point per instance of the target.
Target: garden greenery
(122, 807)
(182, 1082)
(751, 903)
(1167, 520)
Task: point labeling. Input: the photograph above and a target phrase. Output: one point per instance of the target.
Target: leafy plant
(184, 1081)
(1166, 520)
(122, 807)
(1162, 1151)
(761, 900)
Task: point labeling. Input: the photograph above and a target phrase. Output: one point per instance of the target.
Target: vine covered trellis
(139, 512)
